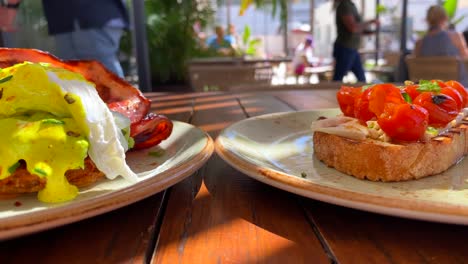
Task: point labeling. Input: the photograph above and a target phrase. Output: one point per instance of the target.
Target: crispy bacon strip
(119, 95)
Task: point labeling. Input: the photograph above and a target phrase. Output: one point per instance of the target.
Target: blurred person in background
(303, 56)
(220, 42)
(88, 29)
(8, 10)
(350, 28)
(232, 36)
(439, 40)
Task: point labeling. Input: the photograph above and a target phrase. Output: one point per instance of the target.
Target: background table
(220, 215)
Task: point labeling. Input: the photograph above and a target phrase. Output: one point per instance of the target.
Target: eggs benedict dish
(57, 134)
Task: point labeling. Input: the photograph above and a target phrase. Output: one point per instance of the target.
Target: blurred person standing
(88, 29)
(350, 27)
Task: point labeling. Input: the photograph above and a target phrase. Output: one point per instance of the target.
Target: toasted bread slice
(380, 161)
(21, 181)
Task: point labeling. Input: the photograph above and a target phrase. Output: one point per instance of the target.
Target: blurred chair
(427, 68)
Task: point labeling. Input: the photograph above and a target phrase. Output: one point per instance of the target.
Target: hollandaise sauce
(43, 126)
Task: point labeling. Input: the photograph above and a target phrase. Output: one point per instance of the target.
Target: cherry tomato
(441, 107)
(461, 90)
(412, 91)
(455, 96)
(404, 122)
(384, 95)
(361, 107)
(346, 96)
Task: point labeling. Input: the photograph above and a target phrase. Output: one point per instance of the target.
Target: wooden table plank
(121, 236)
(386, 239)
(222, 216)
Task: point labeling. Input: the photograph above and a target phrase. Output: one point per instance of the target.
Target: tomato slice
(412, 91)
(404, 122)
(346, 96)
(361, 106)
(455, 95)
(383, 96)
(461, 90)
(441, 107)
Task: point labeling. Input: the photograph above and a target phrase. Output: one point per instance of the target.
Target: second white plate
(277, 149)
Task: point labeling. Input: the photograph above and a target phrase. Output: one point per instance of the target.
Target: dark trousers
(347, 59)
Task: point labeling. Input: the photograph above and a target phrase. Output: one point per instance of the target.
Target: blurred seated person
(303, 56)
(232, 35)
(439, 41)
(220, 42)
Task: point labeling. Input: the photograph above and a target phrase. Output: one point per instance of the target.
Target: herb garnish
(303, 175)
(69, 98)
(365, 87)
(13, 167)
(432, 131)
(73, 134)
(428, 86)
(53, 121)
(40, 171)
(407, 97)
(157, 154)
(6, 79)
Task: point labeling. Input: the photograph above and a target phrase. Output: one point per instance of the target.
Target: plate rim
(403, 207)
(33, 222)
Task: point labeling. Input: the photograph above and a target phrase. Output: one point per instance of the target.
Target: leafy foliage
(172, 40)
(249, 45)
(282, 4)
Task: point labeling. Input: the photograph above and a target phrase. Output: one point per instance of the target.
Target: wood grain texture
(121, 236)
(386, 239)
(223, 216)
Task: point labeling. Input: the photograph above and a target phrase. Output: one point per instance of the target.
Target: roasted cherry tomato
(361, 107)
(461, 90)
(441, 107)
(455, 96)
(346, 96)
(412, 91)
(383, 96)
(404, 122)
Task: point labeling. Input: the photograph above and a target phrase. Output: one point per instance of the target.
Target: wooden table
(220, 215)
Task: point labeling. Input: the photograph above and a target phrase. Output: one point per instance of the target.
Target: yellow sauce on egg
(42, 125)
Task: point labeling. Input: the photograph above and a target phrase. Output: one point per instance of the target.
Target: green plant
(249, 45)
(282, 4)
(450, 7)
(172, 40)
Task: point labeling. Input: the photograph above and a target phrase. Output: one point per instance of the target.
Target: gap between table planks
(223, 216)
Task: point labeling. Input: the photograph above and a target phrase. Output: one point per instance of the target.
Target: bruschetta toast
(398, 139)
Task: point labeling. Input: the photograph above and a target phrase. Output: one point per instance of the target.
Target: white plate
(277, 148)
(179, 156)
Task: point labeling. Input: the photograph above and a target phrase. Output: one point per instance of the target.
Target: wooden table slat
(233, 218)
